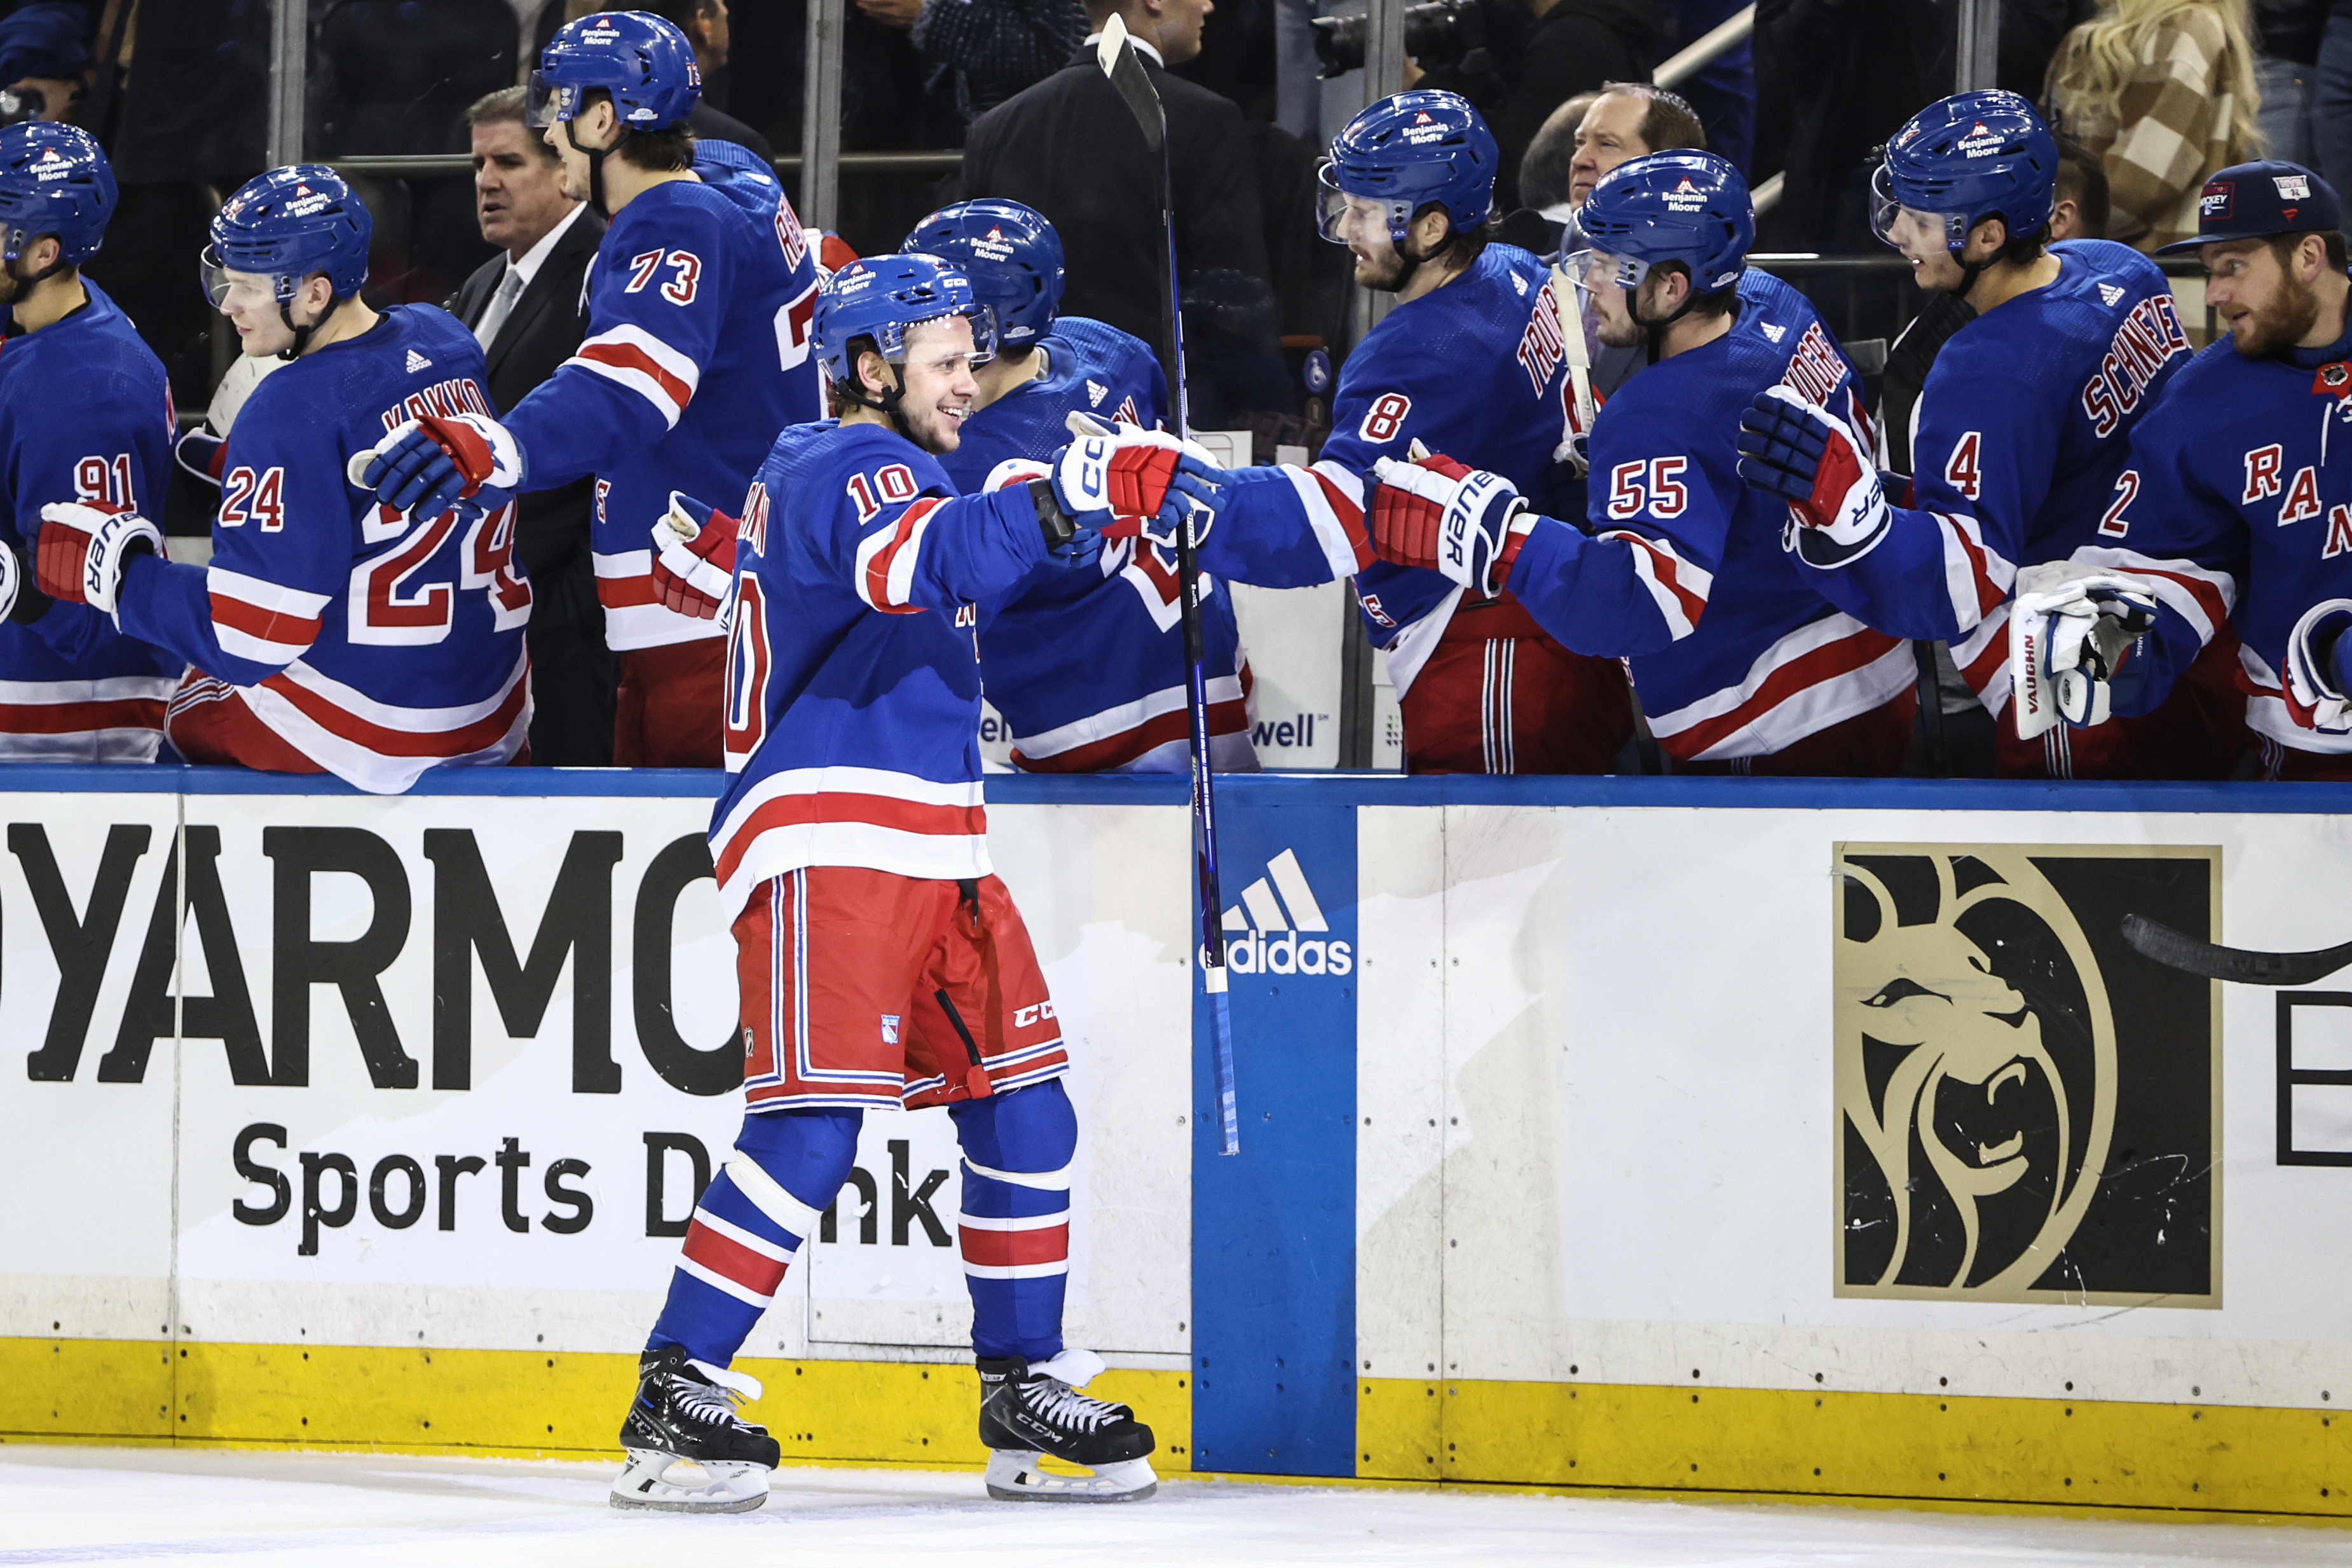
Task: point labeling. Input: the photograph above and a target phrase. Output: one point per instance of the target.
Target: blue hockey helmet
(1685, 206)
(1405, 153)
(1010, 252)
(642, 60)
(1973, 156)
(287, 225)
(54, 180)
(883, 298)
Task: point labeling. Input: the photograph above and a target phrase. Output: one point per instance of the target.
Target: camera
(18, 104)
(1438, 33)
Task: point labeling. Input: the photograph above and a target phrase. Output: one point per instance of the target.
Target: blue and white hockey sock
(1015, 1230)
(765, 1201)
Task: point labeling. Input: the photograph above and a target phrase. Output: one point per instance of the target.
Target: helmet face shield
(1350, 220)
(891, 337)
(1908, 229)
(1594, 268)
(545, 102)
(232, 291)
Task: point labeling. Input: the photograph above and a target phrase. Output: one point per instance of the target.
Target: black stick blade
(1117, 57)
(2211, 961)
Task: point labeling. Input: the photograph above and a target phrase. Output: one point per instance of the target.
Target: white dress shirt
(518, 278)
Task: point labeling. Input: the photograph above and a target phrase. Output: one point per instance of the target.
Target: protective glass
(546, 102)
(1345, 219)
(892, 339)
(238, 290)
(1899, 226)
(1592, 268)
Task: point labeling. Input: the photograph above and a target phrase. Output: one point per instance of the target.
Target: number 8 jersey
(376, 644)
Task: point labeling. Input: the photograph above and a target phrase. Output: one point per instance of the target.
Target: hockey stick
(2211, 961)
(1117, 57)
(1573, 344)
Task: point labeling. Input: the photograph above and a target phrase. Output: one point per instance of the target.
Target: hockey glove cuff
(1439, 514)
(1806, 455)
(2071, 650)
(84, 550)
(1070, 542)
(202, 454)
(2318, 696)
(694, 558)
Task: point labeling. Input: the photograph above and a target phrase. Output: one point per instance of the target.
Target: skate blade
(733, 1487)
(1016, 1475)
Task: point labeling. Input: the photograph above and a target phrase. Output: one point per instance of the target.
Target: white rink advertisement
(451, 1070)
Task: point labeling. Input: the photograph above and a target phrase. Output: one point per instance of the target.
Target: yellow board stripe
(505, 1401)
(1906, 1449)
(2035, 1453)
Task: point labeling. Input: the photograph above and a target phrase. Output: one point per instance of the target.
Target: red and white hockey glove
(1805, 454)
(202, 454)
(84, 550)
(1126, 471)
(428, 465)
(1439, 514)
(694, 558)
(2317, 691)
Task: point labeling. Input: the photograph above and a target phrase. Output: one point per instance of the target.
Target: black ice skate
(1027, 1412)
(686, 1410)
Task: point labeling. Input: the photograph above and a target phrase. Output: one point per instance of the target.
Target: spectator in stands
(1836, 78)
(1069, 148)
(993, 48)
(2081, 207)
(2286, 69)
(44, 47)
(527, 308)
(1724, 91)
(1546, 176)
(2331, 96)
(704, 23)
(1573, 46)
(2164, 92)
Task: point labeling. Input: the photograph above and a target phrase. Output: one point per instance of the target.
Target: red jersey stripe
(723, 1255)
(1819, 667)
(841, 806)
(1010, 1249)
(628, 357)
(480, 735)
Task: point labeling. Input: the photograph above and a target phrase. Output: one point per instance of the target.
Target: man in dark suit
(1069, 148)
(527, 307)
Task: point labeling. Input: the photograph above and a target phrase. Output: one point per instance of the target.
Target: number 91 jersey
(377, 643)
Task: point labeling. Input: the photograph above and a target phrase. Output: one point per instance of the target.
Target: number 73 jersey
(377, 643)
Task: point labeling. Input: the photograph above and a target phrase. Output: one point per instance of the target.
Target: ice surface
(219, 1510)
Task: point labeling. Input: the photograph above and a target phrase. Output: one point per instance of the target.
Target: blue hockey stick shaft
(1119, 62)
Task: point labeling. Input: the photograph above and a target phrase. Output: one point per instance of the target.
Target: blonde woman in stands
(2164, 92)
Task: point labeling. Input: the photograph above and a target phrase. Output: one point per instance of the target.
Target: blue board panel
(1274, 1229)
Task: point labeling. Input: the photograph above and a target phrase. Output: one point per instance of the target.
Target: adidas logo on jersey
(1096, 392)
(1774, 330)
(417, 361)
(2109, 293)
(1268, 926)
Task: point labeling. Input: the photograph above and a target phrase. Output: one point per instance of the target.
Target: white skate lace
(705, 1402)
(1065, 1406)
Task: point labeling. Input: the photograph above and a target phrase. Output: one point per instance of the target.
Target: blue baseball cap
(2254, 200)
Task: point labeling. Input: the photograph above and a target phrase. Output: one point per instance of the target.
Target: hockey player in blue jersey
(696, 355)
(1741, 665)
(85, 415)
(2234, 514)
(852, 857)
(2018, 434)
(1471, 361)
(1086, 668)
(329, 633)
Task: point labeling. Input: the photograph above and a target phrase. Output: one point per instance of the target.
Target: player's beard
(19, 287)
(931, 430)
(1389, 275)
(2282, 323)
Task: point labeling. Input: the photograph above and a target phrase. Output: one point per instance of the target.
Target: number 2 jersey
(85, 415)
(1679, 566)
(2237, 506)
(377, 643)
(2020, 427)
(1087, 667)
(698, 353)
(852, 718)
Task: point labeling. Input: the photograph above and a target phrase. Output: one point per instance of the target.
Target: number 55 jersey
(330, 634)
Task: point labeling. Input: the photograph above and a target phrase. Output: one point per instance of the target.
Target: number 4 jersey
(376, 644)
(85, 415)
